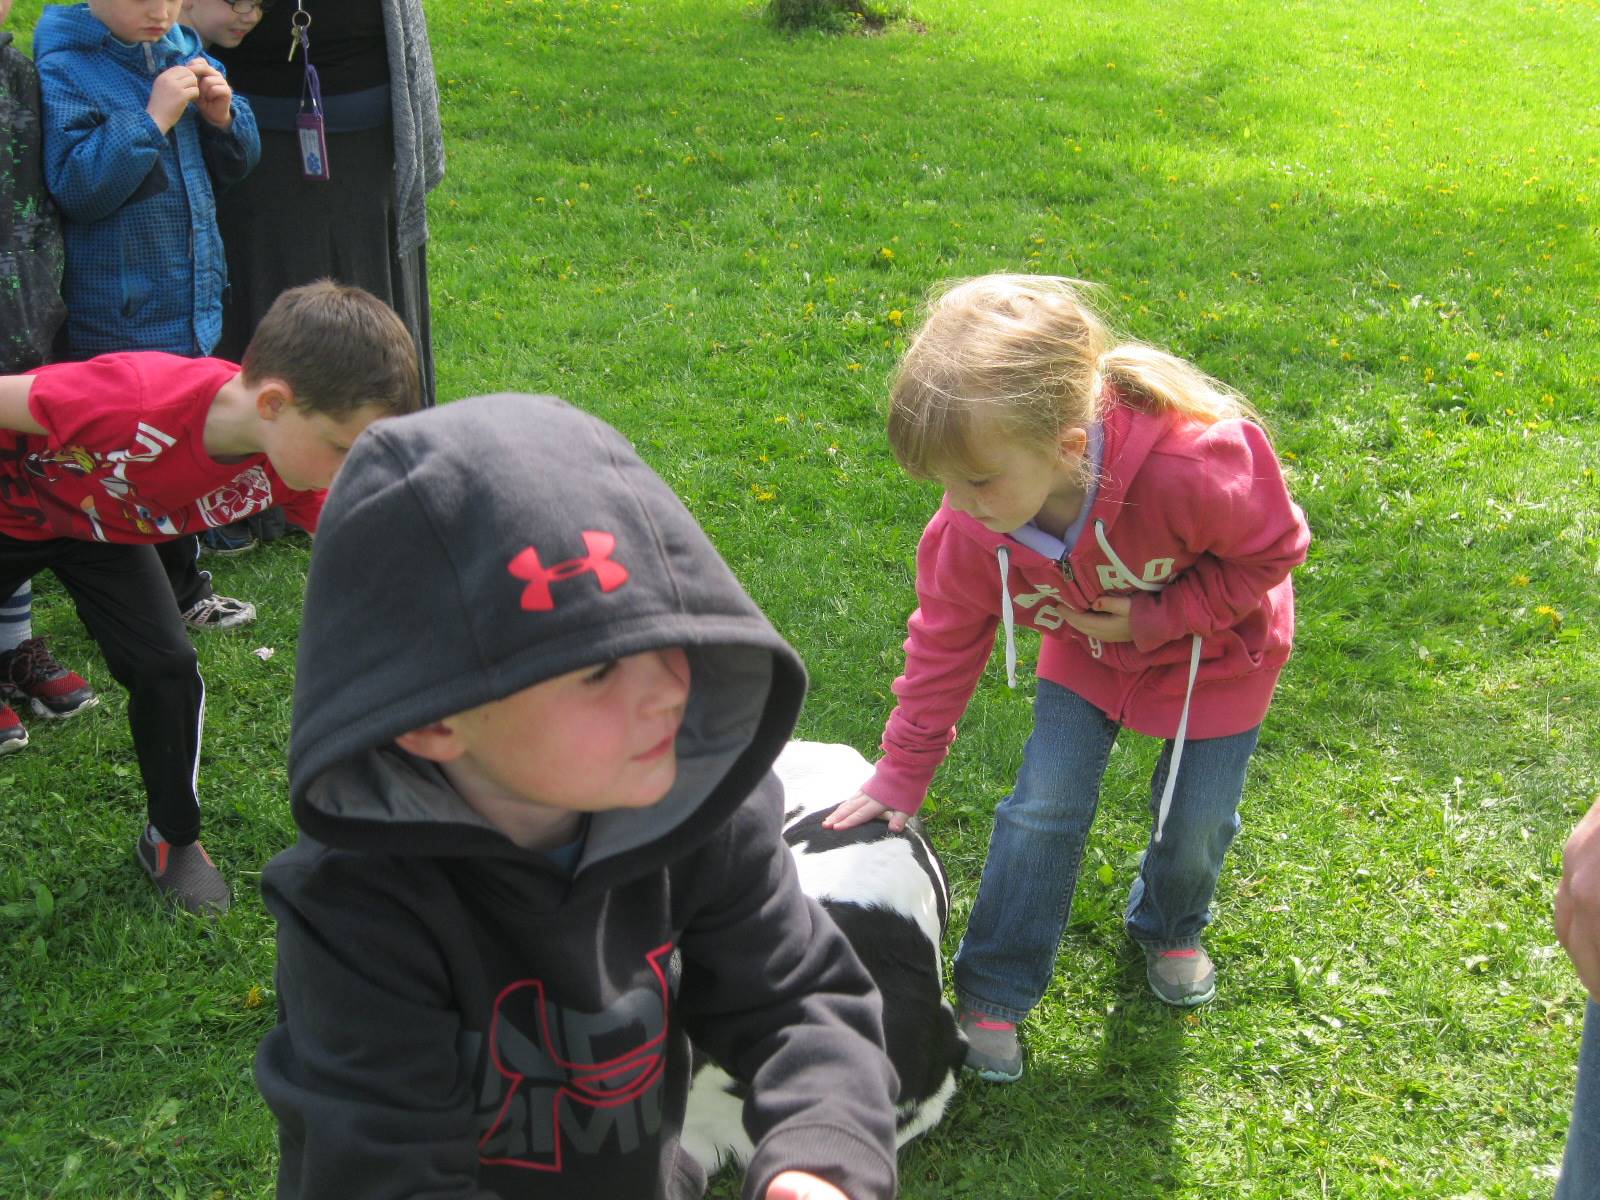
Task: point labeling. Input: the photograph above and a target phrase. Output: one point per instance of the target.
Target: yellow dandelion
(853, 367)
(762, 494)
(254, 998)
(1520, 581)
(896, 316)
(886, 254)
(1473, 356)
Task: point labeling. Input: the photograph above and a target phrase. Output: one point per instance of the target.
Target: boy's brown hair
(339, 348)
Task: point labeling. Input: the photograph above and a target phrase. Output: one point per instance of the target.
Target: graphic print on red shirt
(123, 457)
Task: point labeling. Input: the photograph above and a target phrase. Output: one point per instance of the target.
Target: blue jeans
(1580, 1170)
(1009, 951)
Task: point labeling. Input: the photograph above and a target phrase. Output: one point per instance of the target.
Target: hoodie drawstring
(1006, 616)
(1188, 693)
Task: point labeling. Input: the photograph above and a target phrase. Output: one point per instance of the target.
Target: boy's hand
(1578, 900)
(860, 809)
(797, 1185)
(173, 91)
(1108, 622)
(215, 101)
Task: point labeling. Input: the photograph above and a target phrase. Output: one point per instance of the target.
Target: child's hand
(860, 809)
(216, 97)
(173, 91)
(797, 1185)
(1108, 622)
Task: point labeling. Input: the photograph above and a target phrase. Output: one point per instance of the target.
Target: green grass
(1376, 219)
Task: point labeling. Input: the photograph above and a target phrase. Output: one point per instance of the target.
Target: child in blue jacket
(132, 168)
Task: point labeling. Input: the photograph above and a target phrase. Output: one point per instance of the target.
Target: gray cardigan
(418, 138)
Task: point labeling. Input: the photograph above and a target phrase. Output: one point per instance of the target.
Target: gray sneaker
(185, 875)
(993, 1051)
(219, 612)
(1183, 978)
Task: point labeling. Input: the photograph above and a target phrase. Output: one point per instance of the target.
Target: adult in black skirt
(365, 224)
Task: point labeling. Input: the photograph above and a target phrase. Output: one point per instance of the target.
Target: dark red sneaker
(30, 673)
(12, 735)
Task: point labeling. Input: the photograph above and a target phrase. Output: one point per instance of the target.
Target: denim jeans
(1009, 951)
(1580, 1170)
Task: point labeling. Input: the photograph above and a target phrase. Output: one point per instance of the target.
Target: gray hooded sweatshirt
(462, 1017)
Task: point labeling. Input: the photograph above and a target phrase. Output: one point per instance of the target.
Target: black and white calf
(887, 893)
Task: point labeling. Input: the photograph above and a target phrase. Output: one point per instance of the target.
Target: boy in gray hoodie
(540, 842)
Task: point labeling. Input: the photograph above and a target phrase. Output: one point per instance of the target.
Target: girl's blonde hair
(1026, 357)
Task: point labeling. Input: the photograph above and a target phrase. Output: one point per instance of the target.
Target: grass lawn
(1377, 219)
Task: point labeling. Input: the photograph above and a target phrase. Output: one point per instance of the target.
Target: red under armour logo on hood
(536, 596)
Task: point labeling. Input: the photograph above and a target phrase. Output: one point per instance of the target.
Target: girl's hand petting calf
(860, 809)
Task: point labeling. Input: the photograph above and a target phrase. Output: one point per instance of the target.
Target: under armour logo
(536, 596)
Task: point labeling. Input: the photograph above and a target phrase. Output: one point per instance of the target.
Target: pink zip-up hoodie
(1192, 521)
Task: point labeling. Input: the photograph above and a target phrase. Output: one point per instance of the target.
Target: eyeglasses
(245, 7)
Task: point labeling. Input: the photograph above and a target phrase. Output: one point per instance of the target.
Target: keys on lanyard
(299, 31)
(309, 125)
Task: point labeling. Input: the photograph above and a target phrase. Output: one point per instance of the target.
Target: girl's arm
(948, 641)
(1248, 533)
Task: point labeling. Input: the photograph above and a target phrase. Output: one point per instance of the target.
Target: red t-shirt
(123, 457)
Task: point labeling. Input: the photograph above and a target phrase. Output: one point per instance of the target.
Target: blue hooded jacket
(145, 268)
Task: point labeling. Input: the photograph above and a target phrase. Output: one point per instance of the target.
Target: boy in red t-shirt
(101, 460)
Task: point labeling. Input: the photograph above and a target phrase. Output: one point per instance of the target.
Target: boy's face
(137, 20)
(5, 10)
(593, 740)
(307, 448)
(221, 22)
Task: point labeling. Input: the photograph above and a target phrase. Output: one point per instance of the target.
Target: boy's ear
(436, 742)
(273, 396)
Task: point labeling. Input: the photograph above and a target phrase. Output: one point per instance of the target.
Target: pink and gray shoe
(993, 1052)
(1182, 978)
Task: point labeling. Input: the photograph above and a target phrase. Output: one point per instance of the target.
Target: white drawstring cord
(1010, 621)
(1177, 742)
(1194, 670)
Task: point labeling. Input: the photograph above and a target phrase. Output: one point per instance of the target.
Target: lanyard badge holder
(308, 125)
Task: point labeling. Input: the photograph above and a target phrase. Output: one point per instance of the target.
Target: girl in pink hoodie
(1126, 506)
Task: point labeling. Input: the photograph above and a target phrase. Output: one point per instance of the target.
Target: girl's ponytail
(1163, 381)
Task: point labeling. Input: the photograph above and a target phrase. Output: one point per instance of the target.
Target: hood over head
(469, 551)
